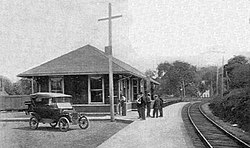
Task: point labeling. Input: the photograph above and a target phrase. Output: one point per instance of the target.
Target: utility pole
(111, 87)
(211, 87)
(184, 91)
(1, 85)
(217, 81)
(222, 79)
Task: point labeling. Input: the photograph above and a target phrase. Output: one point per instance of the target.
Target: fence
(13, 102)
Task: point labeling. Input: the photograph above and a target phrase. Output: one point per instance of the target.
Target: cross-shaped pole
(111, 87)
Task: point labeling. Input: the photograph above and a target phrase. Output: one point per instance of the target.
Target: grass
(18, 134)
(234, 108)
(227, 125)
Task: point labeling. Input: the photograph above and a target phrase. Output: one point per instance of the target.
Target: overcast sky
(35, 31)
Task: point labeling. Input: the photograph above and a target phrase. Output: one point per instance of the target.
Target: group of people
(144, 102)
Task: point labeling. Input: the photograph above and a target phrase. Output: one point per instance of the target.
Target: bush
(234, 108)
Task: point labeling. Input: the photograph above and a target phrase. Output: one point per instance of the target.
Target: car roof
(48, 95)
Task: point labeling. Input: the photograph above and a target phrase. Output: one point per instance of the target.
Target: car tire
(83, 122)
(33, 123)
(63, 124)
(53, 124)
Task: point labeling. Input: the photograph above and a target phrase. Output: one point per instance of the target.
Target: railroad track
(210, 133)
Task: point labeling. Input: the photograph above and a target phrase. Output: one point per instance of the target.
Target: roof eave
(74, 73)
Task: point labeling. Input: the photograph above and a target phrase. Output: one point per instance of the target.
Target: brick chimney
(108, 50)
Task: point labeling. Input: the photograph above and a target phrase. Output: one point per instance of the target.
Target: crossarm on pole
(113, 17)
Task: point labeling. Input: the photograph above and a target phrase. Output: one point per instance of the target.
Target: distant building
(84, 74)
(206, 94)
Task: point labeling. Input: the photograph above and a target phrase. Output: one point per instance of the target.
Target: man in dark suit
(138, 104)
(141, 104)
(161, 107)
(156, 106)
(148, 99)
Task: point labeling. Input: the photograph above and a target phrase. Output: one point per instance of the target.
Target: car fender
(35, 115)
(66, 116)
(82, 115)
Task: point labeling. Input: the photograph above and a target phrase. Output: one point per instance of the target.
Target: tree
(234, 62)
(202, 87)
(7, 84)
(237, 72)
(150, 73)
(185, 74)
(206, 79)
(21, 87)
(26, 86)
(175, 77)
(162, 68)
(240, 77)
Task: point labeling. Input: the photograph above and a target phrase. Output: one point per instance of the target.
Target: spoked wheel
(83, 122)
(33, 123)
(53, 124)
(63, 124)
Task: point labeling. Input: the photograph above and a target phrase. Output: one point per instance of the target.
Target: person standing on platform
(143, 103)
(156, 106)
(161, 107)
(118, 106)
(123, 108)
(148, 99)
(138, 104)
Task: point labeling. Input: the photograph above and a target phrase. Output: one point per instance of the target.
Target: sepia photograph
(124, 74)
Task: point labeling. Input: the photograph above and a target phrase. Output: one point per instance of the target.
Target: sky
(148, 33)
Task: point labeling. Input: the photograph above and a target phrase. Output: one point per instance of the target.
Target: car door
(53, 110)
(44, 108)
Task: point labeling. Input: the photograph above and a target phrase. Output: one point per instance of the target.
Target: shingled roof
(85, 60)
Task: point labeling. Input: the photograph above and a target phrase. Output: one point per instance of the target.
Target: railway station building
(84, 74)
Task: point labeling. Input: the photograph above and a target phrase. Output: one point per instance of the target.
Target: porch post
(89, 93)
(32, 85)
(63, 84)
(119, 89)
(49, 85)
(129, 91)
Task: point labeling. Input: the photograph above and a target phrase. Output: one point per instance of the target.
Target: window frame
(133, 86)
(62, 84)
(90, 90)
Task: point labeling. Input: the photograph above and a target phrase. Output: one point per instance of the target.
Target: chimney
(108, 50)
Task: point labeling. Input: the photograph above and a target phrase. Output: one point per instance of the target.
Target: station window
(56, 85)
(96, 89)
(135, 88)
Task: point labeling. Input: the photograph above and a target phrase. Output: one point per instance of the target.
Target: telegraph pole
(111, 87)
(222, 79)
(217, 81)
(211, 87)
(1, 84)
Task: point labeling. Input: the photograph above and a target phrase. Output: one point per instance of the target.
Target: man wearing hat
(156, 106)
(148, 101)
(141, 103)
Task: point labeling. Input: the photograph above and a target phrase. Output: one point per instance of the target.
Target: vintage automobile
(55, 109)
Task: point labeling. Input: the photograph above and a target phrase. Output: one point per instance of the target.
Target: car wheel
(33, 123)
(63, 124)
(53, 124)
(83, 122)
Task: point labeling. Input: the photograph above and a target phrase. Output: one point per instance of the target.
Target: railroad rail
(210, 133)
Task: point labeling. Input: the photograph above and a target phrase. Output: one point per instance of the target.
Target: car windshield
(64, 105)
(61, 100)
